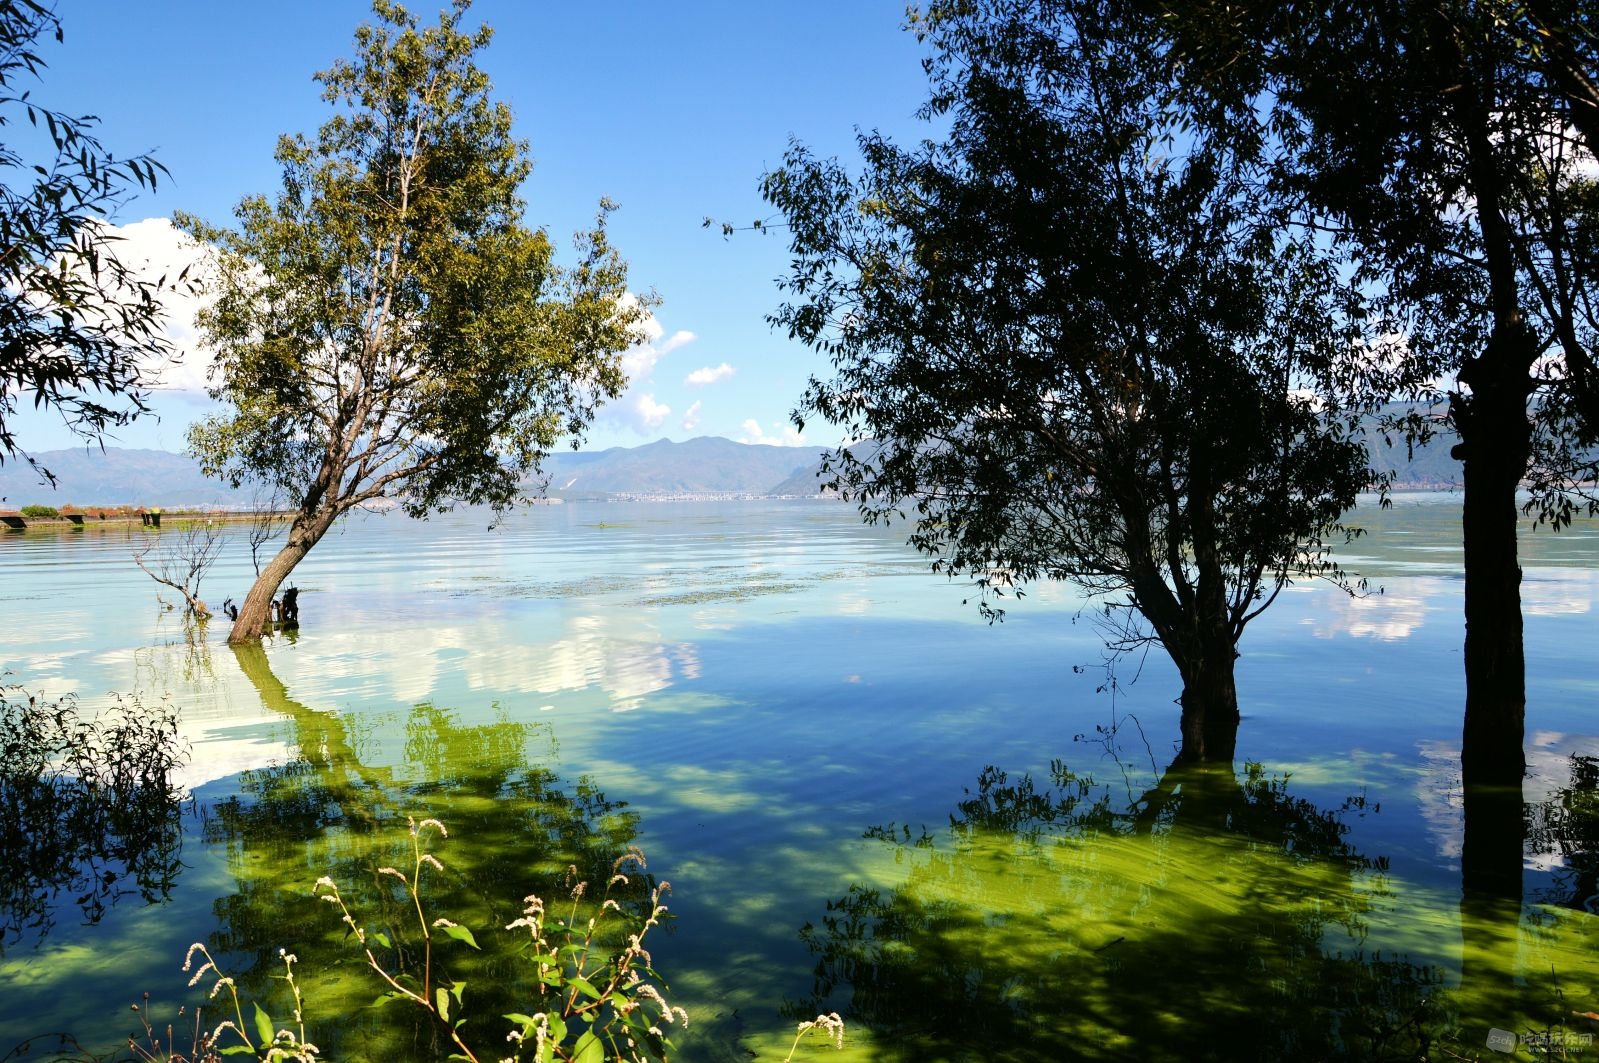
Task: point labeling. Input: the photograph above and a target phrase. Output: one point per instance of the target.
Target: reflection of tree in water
(1565, 825)
(1212, 918)
(515, 829)
(89, 810)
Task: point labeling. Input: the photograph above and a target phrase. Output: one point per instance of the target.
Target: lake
(865, 798)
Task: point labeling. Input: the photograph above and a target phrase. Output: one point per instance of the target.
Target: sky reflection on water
(758, 685)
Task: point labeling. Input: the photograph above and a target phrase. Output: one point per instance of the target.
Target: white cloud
(691, 418)
(678, 339)
(644, 414)
(155, 248)
(701, 377)
(638, 363)
(787, 435)
(638, 409)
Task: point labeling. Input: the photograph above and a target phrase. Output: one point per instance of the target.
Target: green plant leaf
(526, 1021)
(441, 999)
(381, 938)
(460, 933)
(588, 1049)
(263, 1025)
(238, 1050)
(584, 986)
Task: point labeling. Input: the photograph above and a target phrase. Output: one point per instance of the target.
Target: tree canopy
(1448, 150)
(1078, 339)
(387, 326)
(81, 332)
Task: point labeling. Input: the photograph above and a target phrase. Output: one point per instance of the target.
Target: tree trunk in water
(1495, 839)
(1210, 709)
(1495, 441)
(1490, 909)
(256, 610)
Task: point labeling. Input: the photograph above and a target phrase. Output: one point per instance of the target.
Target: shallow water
(753, 693)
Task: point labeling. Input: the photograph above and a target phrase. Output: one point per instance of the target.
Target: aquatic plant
(830, 1026)
(591, 1003)
(594, 994)
(89, 808)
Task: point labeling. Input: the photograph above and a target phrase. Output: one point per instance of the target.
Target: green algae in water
(517, 828)
(1213, 917)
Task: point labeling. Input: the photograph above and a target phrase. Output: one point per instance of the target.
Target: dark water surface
(865, 798)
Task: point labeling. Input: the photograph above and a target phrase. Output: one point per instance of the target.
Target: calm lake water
(865, 798)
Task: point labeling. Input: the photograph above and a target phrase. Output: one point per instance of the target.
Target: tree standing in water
(388, 327)
(1077, 337)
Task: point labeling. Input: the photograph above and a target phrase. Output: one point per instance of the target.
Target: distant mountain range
(703, 467)
(706, 467)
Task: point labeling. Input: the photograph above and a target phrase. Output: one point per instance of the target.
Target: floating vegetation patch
(501, 587)
(738, 593)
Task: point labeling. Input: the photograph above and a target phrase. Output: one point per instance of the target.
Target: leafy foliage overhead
(81, 331)
(387, 325)
(1075, 330)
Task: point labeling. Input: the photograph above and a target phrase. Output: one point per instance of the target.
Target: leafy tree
(79, 329)
(387, 326)
(1448, 148)
(1076, 341)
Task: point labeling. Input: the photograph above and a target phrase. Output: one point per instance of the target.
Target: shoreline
(124, 516)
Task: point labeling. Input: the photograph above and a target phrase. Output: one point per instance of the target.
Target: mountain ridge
(705, 466)
(708, 466)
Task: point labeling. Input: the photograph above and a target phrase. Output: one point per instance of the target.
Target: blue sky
(674, 110)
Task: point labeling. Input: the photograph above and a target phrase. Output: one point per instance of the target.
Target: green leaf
(527, 1022)
(457, 989)
(382, 939)
(263, 1025)
(441, 998)
(238, 1050)
(460, 933)
(584, 986)
(589, 1049)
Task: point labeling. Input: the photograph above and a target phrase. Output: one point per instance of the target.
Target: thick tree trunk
(1495, 445)
(1496, 692)
(1490, 907)
(1210, 711)
(256, 610)
(1495, 839)
(1210, 693)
